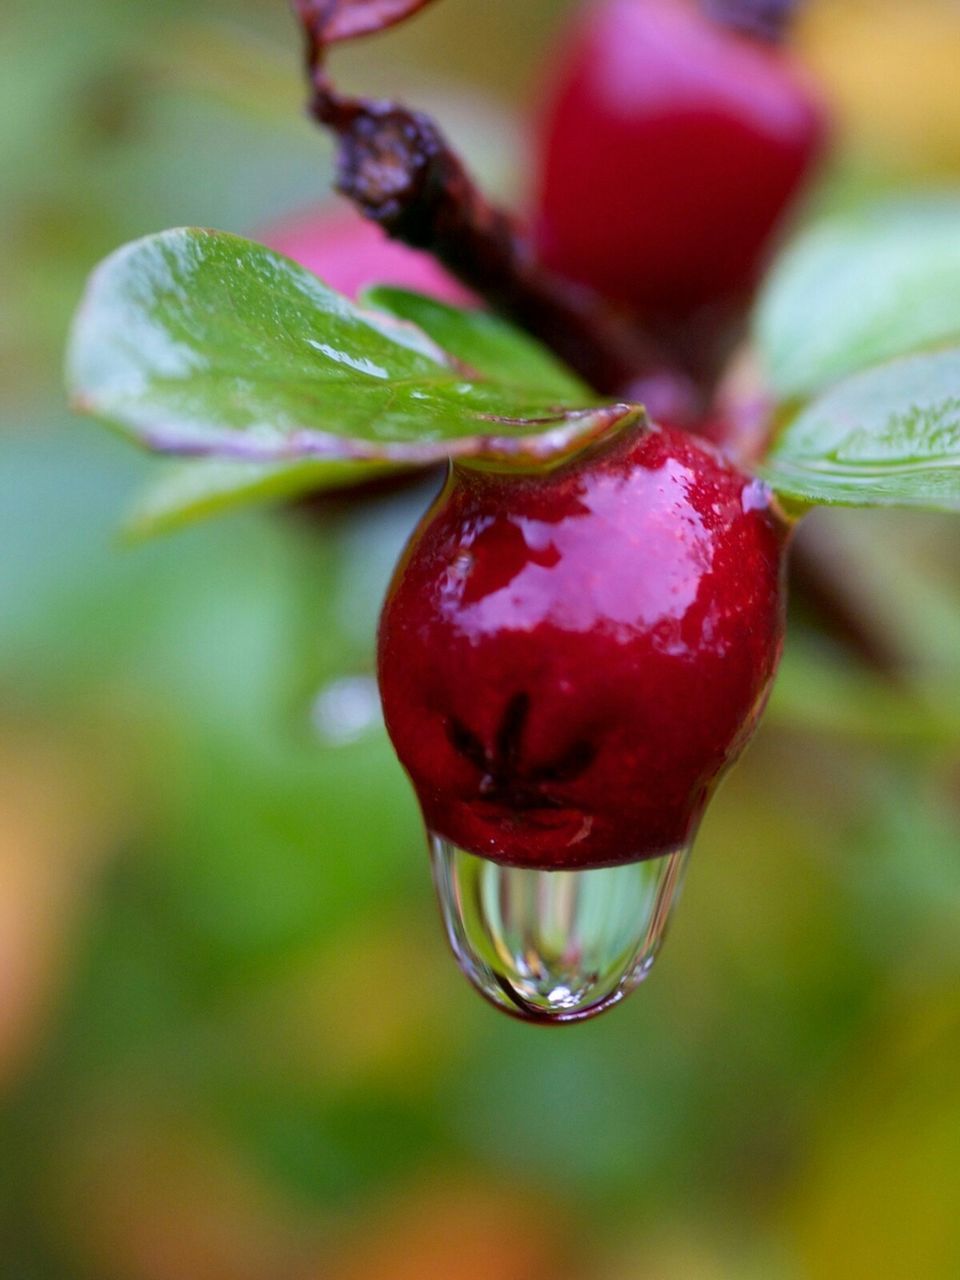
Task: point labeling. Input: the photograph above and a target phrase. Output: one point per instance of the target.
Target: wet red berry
(570, 658)
(671, 148)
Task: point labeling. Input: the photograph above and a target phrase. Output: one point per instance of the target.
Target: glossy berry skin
(569, 659)
(670, 149)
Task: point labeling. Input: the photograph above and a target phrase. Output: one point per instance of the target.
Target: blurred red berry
(671, 148)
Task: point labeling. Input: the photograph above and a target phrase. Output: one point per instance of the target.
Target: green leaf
(817, 693)
(200, 343)
(186, 492)
(859, 290)
(886, 437)
(483, 341)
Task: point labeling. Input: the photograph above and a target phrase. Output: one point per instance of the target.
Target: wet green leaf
(483, 341)
(200, 343)
(886, 437)
(188, 491)
(861, 289)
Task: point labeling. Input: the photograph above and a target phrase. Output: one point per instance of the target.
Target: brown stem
(766, 19)
(397, 168)
(400, 172)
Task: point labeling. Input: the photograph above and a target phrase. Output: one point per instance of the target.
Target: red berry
(350, 254)
(569, 659)
(671, 149)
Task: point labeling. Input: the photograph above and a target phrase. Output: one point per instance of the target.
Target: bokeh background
(232, 1043)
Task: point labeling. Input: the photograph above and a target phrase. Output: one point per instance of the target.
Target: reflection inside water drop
(554, 946)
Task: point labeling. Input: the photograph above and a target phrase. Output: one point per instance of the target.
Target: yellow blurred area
(879, 1197)
(153, 1197)
(471, 1232)
(54, 832)
(354, 1009)
(891, 69)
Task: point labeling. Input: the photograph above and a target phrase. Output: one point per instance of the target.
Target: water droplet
(554, 946)
(345, 710)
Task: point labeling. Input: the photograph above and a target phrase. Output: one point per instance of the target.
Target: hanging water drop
(554, 946)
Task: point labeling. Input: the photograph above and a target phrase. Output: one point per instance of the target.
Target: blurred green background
(232, 1043)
